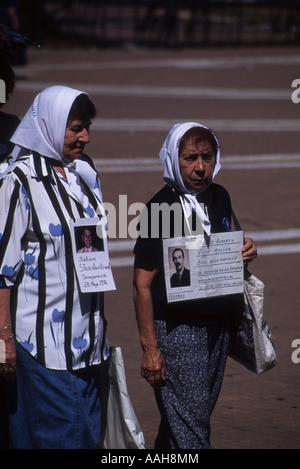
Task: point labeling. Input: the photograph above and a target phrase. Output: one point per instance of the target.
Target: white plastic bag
(252, 343)
(122, 430)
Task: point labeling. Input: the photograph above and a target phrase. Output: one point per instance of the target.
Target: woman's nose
(84, 136)
(199, 165)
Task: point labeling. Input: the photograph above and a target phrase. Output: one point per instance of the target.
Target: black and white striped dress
(52, 319)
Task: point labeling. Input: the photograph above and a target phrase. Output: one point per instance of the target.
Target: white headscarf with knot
(43, 130)
(169, 155)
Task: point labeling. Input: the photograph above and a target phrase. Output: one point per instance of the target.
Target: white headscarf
(43, 130)
(169, 155)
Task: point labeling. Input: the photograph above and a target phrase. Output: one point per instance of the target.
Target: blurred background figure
(11, 18)
(13, 45)
(9, 14)
(8, 122)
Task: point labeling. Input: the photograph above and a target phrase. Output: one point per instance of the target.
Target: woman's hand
(153, 368)
(249, 250)
(7, 355)
(153, 363)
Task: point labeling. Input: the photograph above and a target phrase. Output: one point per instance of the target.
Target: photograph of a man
(87, 239)
(181, 278)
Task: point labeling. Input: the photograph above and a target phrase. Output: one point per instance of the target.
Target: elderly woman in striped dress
(53, 336)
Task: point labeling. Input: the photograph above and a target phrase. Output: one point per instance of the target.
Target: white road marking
(181, 63)
(167, 92)
(136, 165)
(258, 236)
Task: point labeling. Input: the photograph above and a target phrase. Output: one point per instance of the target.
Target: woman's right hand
(153, 367)
(8, 356)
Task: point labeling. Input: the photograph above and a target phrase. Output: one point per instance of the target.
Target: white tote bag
(122, 429)
(252, 343)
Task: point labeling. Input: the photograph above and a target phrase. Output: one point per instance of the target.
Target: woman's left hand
(249, 250)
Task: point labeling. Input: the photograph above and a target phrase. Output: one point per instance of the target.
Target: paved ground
(245, 96)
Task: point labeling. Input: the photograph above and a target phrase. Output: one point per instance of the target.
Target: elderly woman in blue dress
(185, 344)
(53, 336)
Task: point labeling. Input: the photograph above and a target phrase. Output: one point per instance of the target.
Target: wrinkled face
(196, 162)
(76, 137)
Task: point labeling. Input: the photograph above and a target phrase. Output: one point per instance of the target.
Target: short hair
(82, 109)
(178, 249)
(199, 134)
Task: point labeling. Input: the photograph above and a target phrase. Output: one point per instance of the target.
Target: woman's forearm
(153, 363)
(144, 317)
(4, 308)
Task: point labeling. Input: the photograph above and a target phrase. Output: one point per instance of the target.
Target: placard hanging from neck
(90, 253)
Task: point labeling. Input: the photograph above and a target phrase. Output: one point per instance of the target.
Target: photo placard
(195, 268)
(91, 257)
